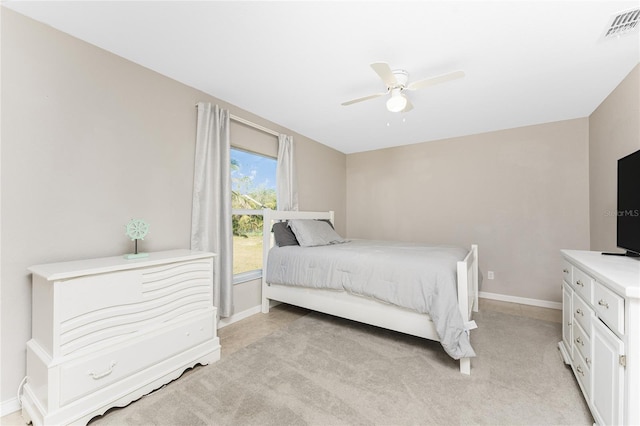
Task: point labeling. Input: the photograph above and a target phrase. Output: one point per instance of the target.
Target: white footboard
(468, 295)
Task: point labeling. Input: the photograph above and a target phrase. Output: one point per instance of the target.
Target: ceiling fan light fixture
(397, 102)
(396, 83)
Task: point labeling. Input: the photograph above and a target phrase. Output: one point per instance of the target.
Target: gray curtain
(211, 215)
(286, 184)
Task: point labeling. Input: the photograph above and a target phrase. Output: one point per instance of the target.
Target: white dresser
(107, 331)
(601, 332)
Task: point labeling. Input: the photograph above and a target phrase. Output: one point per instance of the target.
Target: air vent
(623, 23)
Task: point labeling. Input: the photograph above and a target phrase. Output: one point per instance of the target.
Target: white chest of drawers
(601, 332)
(107, 331)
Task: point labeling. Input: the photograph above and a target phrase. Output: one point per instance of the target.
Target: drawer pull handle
(579, 341)
(97, 376)
(566, 271)
(588, 361)
(604, 303)
(580, 283)
(579, 312)
(579, 370)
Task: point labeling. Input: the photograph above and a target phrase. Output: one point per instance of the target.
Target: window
(253, 188)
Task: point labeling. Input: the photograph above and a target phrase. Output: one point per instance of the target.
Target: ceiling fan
(396, 82)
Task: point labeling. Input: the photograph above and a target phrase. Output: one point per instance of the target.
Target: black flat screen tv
(629, 204)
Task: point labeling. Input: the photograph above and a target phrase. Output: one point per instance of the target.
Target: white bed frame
(361, 309)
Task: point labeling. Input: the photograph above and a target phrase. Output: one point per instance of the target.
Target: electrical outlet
(490, 275)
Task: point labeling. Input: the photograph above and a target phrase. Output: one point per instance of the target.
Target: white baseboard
(10, 406)
(520, 300)
(239, 316)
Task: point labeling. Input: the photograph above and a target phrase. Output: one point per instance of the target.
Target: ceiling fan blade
(421, 84)
(385, 73)
(364, 98)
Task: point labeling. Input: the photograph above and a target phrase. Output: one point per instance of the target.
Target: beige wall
(90, 140)
(614, 132)
(520, 194)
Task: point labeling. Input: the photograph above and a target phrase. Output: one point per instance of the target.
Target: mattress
(410, 275)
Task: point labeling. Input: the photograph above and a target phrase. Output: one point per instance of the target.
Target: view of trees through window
(253, 186)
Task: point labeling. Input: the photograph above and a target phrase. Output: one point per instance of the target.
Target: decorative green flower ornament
(136, 229)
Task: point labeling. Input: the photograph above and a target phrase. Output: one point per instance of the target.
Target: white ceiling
(294, 63)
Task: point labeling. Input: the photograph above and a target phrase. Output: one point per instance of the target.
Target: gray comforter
(414, 276)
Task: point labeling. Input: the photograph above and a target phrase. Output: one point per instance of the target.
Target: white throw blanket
(414, 276)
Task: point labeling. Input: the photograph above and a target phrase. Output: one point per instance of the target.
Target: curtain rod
(254, 125)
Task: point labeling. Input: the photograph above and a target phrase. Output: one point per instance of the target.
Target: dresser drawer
(581, 343)
(567, 272)
(88, 374)
(582, 312)
(610, 307)
(583, 284)
(583, 373)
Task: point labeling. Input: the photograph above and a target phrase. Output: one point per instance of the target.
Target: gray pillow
(283, 235)
(328, 221)
(310, 233)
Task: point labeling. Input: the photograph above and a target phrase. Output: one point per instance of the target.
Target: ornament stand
(135, 254)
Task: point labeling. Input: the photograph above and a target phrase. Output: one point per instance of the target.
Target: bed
(375, 282)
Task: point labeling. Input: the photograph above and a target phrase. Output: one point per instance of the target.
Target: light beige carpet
(321, 370)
